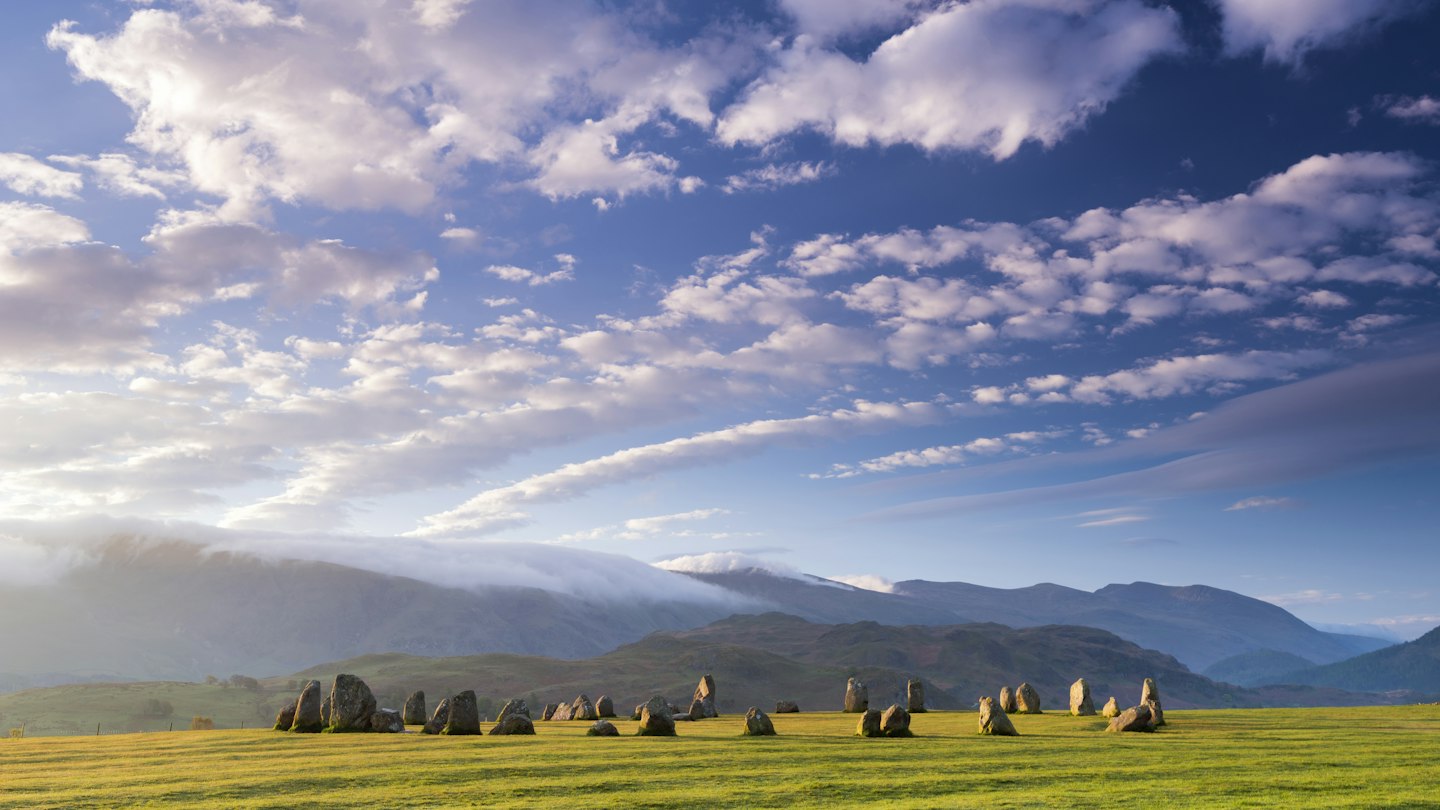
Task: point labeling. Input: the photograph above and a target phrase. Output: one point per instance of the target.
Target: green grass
(1272, 758)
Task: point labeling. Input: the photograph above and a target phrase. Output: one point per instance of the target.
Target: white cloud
(1309, 596)
(119, 174)
(987, 75)
(521, 275)
(497, 509)
(1116, 520)
(727, 562)
(1287, 29)
(24, 174)
(866, 582)
(777, 175)
(945, 455)
(1324, 299)
(1187, 374)
(1261, 502)
(1422, 110)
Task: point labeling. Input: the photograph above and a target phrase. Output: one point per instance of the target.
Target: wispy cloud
(1262, 502)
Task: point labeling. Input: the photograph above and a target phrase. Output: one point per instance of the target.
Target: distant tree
(244, 682)
(292, 684)
(198, 723)
(154, 707)
(211, 680)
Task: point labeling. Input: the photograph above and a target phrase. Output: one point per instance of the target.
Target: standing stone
(896, 722)
(1080, 703)
(549, 712)
(655, 719)
(605, 707)
(857, 696)
(437, 721)
(697, 710)
(325, 711)
(286, 718)
(705, 695)
(1027, 700)
(869, 725)
(1135, 718)
(513, 707)
(787, 707)
(583, 709)
(1112, 709)
(994, 721)
(307, 710)
(562, 712)
(387, 721)
(757, 724)
(915, 696)
(415, 709)
(603, 728)
(1150, 693)
(352, 704)
(464, 715)
(1007, 700)
(1157, 715)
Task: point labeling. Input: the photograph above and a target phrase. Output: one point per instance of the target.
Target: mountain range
(174, 610)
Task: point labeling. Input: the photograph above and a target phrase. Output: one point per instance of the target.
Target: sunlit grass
(1351, 757)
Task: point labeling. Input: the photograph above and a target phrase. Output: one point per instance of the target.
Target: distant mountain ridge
(1197, 624)
(1414, 666)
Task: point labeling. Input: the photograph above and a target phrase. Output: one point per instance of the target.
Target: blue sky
(1002, 291)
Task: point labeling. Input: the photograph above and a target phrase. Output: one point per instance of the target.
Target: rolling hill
(1414, 666)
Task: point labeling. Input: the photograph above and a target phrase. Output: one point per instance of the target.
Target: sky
(1000, 291)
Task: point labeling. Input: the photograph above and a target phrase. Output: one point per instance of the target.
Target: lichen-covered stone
(464, 715)
(285, 718)
(513, 723)
(915, 696)
(352, 704)
(1112, 709)
(857, 696)
(869, 725)
(655, 719)
(705, 695)
(994, 721)
(1007, 700)
(787, 707)
(1135, 718)
(583, 709)
(437, 721)
(605, 707)
(757, 723)
(1080, 703)
(387, 721)
(895, 722)
(307, 710)
(1027, 700)
(549, 712)
(414, 713)
(602, 728)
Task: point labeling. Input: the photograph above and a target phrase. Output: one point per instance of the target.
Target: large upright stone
(857, 696)
(1135, 718)
(464, 715)
(705, 696)
(352, 704)
(513, 707)
(583, 709)
(549, 712)
(869, 725)
(1027, 700)
(387, 721)
(1150, 694)
(895, 722)
(605, 707)
(994, 721)
(1080, 703)
(437, 721)
(655, 719)
(514, 719)
(415, 709)
(757, 723)
(562, 712)
(915, 696)
(307, 710)
(325, 711)
(1112, 709)
(285, 718)
(1007, 700)
(787, 707)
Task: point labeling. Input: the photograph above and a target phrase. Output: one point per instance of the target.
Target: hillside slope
(1414, 665)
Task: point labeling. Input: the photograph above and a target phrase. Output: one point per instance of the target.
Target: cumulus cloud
(1287, 29)
(777, 175)
(1421, 110)
(24, 174)
(986, 76)
(728, 562)
(521, 275)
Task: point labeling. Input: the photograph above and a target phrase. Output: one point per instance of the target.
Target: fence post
(97, 729)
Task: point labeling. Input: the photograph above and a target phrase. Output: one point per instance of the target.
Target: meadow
(1343, 757)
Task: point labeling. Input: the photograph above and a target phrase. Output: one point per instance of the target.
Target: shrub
(17, 733)
(244, 682)
(198, 723)
(154, 707)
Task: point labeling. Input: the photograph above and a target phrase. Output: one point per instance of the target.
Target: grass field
(1278, 758)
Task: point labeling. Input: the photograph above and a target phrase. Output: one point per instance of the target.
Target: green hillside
(1414, 666)
(1235, 758)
